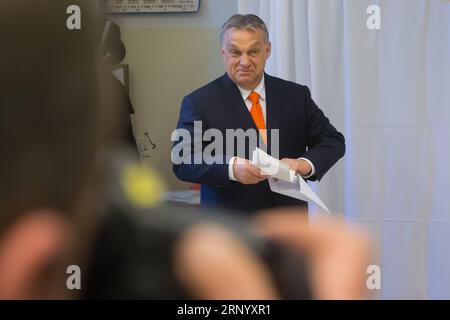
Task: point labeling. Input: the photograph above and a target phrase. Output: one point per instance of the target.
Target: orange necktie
(257, 115)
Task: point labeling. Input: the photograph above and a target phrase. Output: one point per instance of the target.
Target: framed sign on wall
(137, 6)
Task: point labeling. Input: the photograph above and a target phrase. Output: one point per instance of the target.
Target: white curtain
(388, 91)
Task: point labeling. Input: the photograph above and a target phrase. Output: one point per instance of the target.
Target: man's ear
(222, 51)
(269, 50)
(27, 249)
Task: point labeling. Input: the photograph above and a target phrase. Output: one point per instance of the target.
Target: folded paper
(283, 180)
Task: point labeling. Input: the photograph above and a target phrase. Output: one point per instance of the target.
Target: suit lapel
(232, 99)
(273, 106)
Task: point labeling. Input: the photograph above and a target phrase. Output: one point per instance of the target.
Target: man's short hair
(244, 22)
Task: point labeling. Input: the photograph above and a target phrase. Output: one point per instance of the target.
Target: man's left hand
(300, 166)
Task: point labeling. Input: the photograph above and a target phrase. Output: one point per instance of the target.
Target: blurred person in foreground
(57, 209)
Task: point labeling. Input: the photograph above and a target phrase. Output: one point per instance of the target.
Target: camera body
(132, 256)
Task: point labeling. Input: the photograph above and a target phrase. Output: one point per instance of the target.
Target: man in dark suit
(282, 114)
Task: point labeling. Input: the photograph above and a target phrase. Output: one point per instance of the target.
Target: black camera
(132, 254)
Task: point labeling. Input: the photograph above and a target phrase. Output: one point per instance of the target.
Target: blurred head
(245, 49)
(49, 134)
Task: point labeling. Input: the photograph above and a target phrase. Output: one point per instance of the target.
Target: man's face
(244, 54)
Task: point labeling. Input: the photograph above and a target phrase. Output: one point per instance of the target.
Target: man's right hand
(245, 172)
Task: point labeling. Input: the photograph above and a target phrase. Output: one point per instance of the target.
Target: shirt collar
(260, 89)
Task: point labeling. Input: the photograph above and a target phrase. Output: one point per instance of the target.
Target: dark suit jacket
(304, 131)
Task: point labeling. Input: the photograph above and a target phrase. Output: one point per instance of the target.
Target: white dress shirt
(261, 91)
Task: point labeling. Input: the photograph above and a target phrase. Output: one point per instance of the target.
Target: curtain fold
(388, 91)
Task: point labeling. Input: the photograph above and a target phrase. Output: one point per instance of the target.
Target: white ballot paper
(284, 180)
(273, 167)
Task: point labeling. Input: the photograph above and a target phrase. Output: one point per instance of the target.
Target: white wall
(170, 55)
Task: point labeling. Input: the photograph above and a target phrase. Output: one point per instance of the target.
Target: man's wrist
(231, 169)
(312, 172)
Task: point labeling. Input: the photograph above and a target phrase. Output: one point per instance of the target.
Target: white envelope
(272, 166)
(283, 180)
(298, 189)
